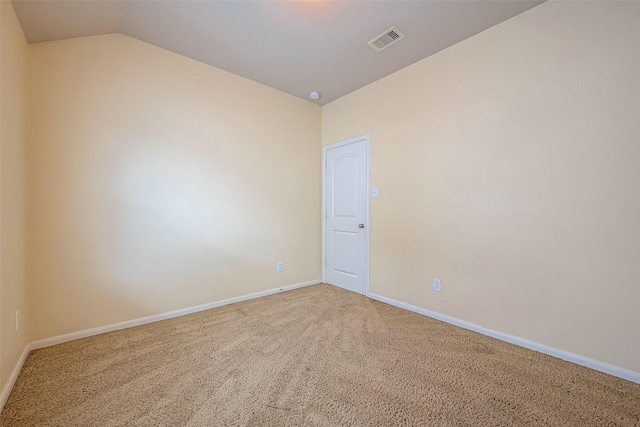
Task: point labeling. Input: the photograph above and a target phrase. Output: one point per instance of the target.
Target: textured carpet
(316, 356)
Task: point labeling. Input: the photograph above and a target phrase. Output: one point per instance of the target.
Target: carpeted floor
(316, 356)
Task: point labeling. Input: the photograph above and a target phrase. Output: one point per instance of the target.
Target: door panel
(345, 193)
(345, 252)
(346, 187)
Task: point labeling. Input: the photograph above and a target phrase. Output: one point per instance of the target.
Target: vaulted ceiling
(293, 46)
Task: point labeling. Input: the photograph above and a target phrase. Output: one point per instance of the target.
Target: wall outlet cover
(437, 285)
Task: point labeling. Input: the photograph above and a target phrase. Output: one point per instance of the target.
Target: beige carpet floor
(316, 356)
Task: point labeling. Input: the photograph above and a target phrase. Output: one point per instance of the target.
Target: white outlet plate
(437, 285)
(279, 267)
(17, 319)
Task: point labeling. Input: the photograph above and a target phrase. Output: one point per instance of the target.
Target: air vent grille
(386, 39)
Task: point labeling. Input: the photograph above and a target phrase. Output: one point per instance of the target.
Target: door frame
(366, 139)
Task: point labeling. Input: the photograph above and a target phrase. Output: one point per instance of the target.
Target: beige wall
(159, 183)
(509, 167)
(13, 141)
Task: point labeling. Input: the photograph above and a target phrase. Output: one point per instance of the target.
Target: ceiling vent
(386, 39)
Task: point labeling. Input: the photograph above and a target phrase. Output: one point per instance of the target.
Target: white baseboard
(580, 360)
(561, 354)
(6, 391)
(47, 342)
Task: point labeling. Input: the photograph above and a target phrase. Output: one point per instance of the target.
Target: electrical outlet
(437, 285)
(17, 319)
(279, 267)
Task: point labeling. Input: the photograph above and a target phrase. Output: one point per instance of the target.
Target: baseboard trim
(531, 345)
(6, 391)
(47, 342)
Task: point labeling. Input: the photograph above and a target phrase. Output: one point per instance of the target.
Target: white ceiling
(293, 46)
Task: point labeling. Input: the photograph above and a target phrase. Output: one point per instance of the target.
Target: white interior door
(346, 214)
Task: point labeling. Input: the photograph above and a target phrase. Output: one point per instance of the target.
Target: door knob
(361, 225)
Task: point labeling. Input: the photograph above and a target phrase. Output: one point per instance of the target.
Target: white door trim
(366, 139)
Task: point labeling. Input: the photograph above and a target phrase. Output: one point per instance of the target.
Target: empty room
(319, 213)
